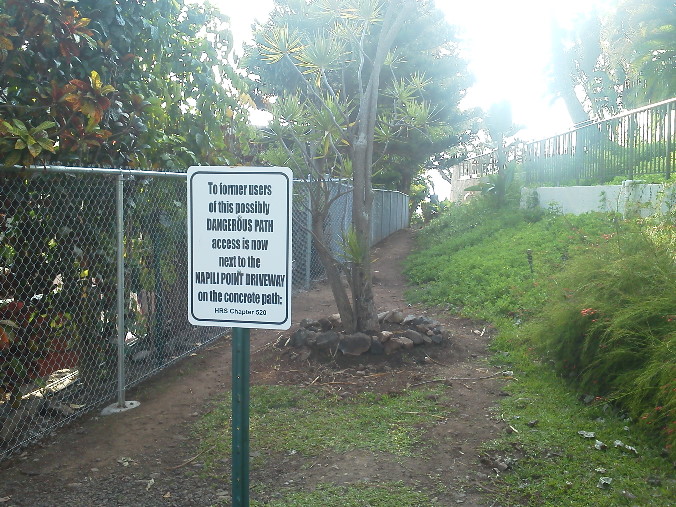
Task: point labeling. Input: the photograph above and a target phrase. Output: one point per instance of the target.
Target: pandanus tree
(347, 103)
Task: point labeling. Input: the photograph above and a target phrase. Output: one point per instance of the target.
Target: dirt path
(139, 457)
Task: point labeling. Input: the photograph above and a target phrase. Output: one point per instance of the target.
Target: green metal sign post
(240, 417)
(239, 273)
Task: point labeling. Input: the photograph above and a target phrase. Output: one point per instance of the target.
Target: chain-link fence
(93, 285)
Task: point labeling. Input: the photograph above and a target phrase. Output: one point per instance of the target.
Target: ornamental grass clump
(611, 324)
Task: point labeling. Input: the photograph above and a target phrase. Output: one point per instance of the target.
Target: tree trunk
(366, 317)
(319, 213)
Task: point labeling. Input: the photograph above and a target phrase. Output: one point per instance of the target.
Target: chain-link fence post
(120, 293)
(122, 404)
(308, 242)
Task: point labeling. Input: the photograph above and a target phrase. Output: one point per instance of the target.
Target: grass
(288, 422)
(594, 308)
(556, 466)
(589, 281)
(287, 419)
(394, 494)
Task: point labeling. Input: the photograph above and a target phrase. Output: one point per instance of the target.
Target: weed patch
(357, 495)
(290, 420)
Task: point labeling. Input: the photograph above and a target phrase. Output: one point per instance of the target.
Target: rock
(430, 333)
(437, 339)
(355, 344)
(56, 408)
(427, 340)
(327, 340)
(377, 348)
(422, 328)
(335, 319)
(325, 323)
(391, 346)
(385, 335)
(604, 482)
(415, 337)
(311, 324)
(408, 319)
(383, 316)
(629, 495)
(404, 342)
(304, 353)
(301, 336)
(422, 321)
(396, 317)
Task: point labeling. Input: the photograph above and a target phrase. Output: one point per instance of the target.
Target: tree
(135, 83)
(580, 72)
(127, 83)
(500, 127)
(642, 50)
(617, 60)
(331, 112)
(422, 83)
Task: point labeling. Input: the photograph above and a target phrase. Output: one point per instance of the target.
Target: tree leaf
(44, 126)
(13, 158)
(20, 126)
(34, 149)
(5, 43)
(95, 80)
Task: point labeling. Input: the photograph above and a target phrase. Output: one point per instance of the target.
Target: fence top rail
(143, 173)
(99, 170)
(582, 126)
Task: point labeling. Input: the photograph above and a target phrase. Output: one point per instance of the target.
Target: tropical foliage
(423, 80)
(347, 84)
(618, 59)
(132, 83)
(129, 83)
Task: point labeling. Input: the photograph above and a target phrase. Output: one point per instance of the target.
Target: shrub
(611, 324)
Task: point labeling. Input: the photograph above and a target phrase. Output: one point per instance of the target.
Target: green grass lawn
(542, 279)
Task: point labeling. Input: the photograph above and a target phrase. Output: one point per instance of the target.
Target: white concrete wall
(629, 198)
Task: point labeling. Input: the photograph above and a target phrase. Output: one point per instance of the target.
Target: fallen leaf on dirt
(150, 483)
(5, 499)
(167, 495)
(125, 462)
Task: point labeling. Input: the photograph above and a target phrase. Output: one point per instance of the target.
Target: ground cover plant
(308, 423)
(590, 298)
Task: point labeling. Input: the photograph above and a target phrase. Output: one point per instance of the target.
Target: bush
(611, 325)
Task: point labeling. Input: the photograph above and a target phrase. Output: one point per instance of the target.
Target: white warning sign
(239, 246)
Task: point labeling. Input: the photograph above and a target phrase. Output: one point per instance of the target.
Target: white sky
(505, 42)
